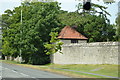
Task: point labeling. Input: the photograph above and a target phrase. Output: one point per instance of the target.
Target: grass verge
(104, 69)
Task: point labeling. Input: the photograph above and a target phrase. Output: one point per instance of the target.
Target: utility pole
(21, 35)
(83, 4)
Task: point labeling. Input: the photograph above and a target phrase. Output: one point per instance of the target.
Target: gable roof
(70, 33)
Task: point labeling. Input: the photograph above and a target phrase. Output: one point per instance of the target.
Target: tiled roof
(70, 33)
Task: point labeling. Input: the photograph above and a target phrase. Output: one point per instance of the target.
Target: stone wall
(88, 53)
(17, 59)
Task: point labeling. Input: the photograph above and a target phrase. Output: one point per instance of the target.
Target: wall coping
(94, 44)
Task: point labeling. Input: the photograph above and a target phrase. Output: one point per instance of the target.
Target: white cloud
(8, 4)
(68, 5)
(68, 1)
(1, 1)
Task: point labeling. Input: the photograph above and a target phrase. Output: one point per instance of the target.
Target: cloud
(67, 1)
(3, 1)
(8, 4)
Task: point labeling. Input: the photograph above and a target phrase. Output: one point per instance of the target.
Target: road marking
(5, 68)
(35, 78)
(14, 71)
(28, 75)
(32, 77)
(18, 73)
(0, 77)
(24, 74)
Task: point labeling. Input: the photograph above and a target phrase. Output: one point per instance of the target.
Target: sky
(68, 5)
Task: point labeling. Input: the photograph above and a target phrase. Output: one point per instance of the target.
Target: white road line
(14, 71)
(18, 73)
(28, 75)
(0, 77)
(32, 77)
(35, 78)
(24, 74)
(5, 68)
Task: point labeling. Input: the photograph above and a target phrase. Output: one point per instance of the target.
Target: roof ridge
(70, 33)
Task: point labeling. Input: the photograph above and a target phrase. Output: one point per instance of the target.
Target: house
(70, 35)
(76, 50)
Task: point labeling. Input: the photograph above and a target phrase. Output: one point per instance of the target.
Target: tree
(118, 28)
(105, 1)
(38, 20)
(95, 27)
(54, 45)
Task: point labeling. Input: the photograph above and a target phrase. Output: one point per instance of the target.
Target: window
(74, 41)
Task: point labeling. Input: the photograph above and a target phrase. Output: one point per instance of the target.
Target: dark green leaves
(38, 20)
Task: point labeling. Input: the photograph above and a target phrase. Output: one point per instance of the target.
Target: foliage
(54, 45)
(95, 27)
(118, 27)
(36, 35)
(38, 19)
(92, 26)
(105, 1)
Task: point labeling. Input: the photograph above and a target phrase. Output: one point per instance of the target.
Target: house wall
(69, 41)
(88, 53)
(66, 41)
(82, 41)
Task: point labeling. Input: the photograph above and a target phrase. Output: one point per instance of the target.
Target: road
(15, 71)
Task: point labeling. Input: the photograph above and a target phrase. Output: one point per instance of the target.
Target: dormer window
(74, 41)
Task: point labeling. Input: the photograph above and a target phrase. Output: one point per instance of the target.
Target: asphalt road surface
(19, 72)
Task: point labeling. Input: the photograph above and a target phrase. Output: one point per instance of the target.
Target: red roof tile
(70, 33)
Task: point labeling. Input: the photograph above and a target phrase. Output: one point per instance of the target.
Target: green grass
(11, 62)
(0, 43)
(103, 69)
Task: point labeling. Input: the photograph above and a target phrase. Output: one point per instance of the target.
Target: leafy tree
(54, 45)
(105, 1)
(95, 27)
(38, 19)
(41, 23)
(118, 28)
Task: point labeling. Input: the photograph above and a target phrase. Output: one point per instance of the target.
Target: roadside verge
(64, 71)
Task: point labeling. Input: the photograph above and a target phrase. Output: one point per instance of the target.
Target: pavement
(15, 72)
